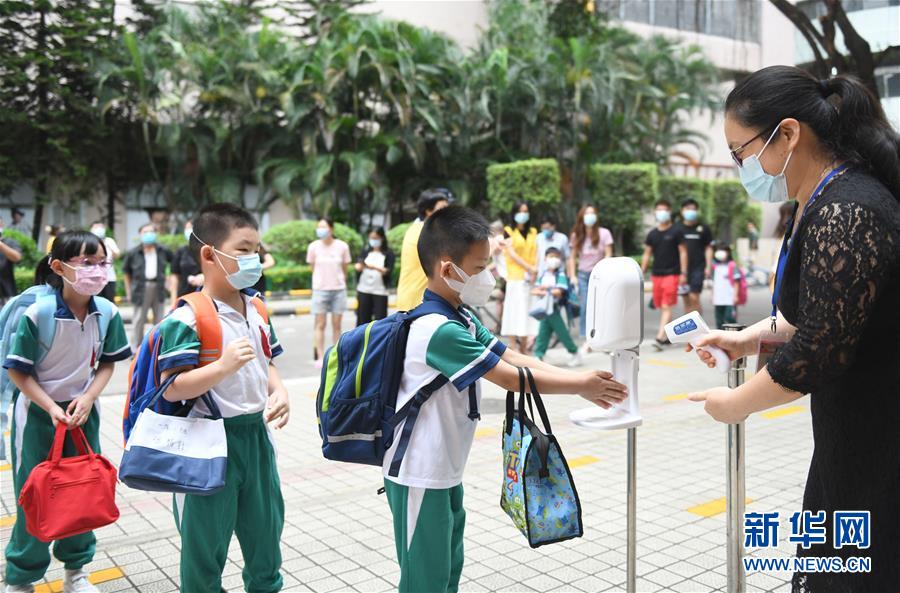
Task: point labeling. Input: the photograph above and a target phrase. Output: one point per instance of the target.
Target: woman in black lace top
(828, 145)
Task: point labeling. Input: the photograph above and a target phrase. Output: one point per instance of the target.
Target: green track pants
(250, 506)
(428, 532)
(553, 324)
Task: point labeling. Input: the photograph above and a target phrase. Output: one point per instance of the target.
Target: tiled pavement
(338, 534)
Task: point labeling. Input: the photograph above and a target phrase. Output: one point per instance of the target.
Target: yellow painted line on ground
(100, 576)
(7, 521)
(300, 292)
(713, 507)
(666, 363)
(485, 432)
(5, 467)
(583, 460)
(778, 413)
(675, 398)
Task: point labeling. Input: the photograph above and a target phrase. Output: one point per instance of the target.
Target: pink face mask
(89, 280)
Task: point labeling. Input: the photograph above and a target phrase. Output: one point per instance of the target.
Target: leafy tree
(52, 136)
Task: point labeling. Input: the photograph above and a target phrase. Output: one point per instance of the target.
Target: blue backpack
(357, 398)
(144, 374)
(10, 316)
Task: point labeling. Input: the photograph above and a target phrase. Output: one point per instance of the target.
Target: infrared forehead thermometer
(688, 330)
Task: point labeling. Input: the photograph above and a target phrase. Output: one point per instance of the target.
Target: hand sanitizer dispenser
(615, 323)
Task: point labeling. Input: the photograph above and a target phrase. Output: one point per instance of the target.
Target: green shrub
(395, 237)
(171, 242)
(30, 252)
(284, 278)
(24, 278)
(731, 206)
(679, 189)
(288, 241)
(535, 181)
(621, 193)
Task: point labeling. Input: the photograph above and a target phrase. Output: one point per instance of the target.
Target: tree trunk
(110, 201)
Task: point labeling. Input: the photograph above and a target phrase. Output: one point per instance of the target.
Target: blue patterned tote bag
(538, 490)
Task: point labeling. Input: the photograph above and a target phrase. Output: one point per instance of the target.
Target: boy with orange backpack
(236, 369)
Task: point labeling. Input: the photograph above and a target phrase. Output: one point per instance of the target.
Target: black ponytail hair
(845, 115)
(66, 246)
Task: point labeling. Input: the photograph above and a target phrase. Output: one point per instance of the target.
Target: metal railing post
(735, 485)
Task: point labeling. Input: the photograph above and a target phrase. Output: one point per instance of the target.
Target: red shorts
(665, 291)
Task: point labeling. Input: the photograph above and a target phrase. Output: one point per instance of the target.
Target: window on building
(735, 19)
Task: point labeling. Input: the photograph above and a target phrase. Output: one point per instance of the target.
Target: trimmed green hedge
(30, 252)
(621, 193)
(536, 181)
(395, 237)
(284, 278)
(679, 189)
(288, 241)
(172, 242)
(732, 208)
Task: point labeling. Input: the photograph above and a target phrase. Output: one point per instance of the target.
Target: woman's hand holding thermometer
(689, 329)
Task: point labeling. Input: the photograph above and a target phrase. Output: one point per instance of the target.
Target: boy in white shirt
(426, 497)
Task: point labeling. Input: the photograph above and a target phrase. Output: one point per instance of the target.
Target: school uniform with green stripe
(64, 373)
(426, 498)
(251, 505)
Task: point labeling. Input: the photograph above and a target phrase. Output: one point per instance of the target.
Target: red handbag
(68, 496)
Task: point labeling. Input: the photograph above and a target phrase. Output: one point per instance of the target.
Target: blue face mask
(760, 185)
(590, 219)
(148, 238)
(374, 243)
(663, 216)
(321, 233)
(690, 215)
(249, 268)
(522, 217)
(548, 233)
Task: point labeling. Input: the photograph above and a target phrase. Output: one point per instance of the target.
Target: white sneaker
(29, 588)
(574, 360)
(584, 349)
(76, 581)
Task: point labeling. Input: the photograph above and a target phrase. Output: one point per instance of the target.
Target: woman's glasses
(739, 160)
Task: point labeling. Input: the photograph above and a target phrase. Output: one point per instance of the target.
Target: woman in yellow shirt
(517, 326)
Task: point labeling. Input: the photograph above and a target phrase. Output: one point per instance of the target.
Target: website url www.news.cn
(832, 564)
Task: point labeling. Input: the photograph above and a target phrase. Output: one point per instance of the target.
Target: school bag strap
(209, 327)
(410, 410)
(46, 323)
(105, 309)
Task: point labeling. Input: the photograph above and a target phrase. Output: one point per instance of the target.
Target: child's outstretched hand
(278, 408)
(237, 354)
(600, 388)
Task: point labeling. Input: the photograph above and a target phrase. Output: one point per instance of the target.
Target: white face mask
(553, 263)
(721, 255)
(474, 291)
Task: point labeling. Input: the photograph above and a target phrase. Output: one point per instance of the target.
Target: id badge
(769, 342)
